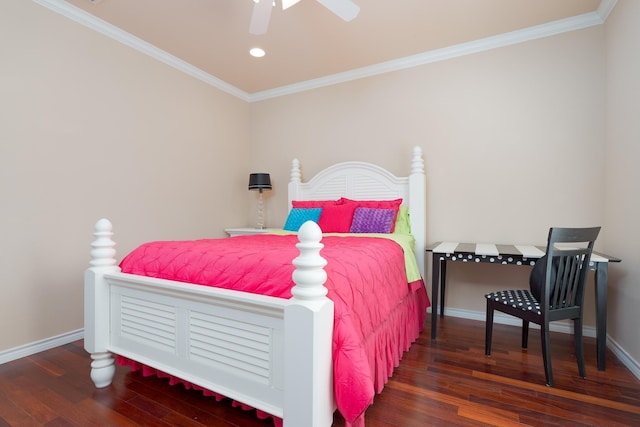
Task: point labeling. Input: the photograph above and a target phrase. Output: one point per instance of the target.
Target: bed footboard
(269, 353)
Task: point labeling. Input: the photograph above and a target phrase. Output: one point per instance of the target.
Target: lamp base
(260, 224)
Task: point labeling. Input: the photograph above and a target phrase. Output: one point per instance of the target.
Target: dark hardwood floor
(446, 382)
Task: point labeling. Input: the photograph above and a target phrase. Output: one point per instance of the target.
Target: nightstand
(242, 231)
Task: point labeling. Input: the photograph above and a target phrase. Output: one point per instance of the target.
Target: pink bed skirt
(385, 348)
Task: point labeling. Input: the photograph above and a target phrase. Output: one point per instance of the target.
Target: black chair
(556, 291)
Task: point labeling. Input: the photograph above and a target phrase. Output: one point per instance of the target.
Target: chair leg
(546, 353)
(488, 330)
(525, 333)
(578, 343)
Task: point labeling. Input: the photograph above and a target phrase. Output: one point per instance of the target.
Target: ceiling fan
(345, 9)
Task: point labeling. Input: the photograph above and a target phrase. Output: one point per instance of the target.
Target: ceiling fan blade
(286, 4)
(345, 9)
(260, 17)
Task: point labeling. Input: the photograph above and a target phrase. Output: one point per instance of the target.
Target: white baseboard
(624, 357)
(620, 352)
(565, 328)
(38, 346)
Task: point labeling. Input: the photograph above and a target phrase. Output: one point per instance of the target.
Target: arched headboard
(365, 181)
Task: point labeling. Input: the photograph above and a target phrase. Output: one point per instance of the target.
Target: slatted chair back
(569, 251)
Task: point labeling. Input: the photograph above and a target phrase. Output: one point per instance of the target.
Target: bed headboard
(366, 181)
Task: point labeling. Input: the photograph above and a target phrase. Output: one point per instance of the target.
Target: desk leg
(443, 281)
(435, 280)
(602, 277)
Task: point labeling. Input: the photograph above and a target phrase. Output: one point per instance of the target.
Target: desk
(524, 255)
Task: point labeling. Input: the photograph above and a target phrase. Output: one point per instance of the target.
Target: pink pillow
(377, 204)
(336, 218)
(313, 203)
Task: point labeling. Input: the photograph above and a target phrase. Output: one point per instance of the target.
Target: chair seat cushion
(516, 298)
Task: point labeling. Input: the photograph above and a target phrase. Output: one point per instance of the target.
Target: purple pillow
(372, 220)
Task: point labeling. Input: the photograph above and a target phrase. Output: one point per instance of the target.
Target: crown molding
(80, 16)
(532, 33)
(605, 7)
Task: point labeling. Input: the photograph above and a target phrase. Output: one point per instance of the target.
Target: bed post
(96, 303)
(308, 330)
(417, 206)
(295, 178)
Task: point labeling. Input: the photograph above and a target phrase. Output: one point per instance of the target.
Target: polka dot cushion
(518, 298)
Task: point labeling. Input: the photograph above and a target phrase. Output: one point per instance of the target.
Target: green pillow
(403, 225)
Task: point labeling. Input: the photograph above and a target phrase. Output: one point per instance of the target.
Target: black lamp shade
(259, 181)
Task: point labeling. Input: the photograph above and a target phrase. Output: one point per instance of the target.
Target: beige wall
(516, 140)
(91, 128)
(513, 140)
(622, 188)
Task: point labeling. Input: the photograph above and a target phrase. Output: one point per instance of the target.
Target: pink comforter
(366, 281)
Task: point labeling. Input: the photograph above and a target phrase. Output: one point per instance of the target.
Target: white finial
(103, 252)
(295, 171)
(417, 164)
(309, 275)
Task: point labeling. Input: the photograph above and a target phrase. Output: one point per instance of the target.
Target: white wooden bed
(191, 332)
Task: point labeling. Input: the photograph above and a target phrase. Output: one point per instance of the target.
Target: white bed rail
(269, 353)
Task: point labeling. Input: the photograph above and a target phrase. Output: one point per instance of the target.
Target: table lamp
(260, 182)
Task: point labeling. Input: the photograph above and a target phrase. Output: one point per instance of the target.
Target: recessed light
(257, 52)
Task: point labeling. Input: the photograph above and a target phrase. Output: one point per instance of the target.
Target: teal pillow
(298, 216)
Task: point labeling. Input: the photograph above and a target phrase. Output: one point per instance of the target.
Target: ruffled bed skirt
(385, 348)
(391, 339)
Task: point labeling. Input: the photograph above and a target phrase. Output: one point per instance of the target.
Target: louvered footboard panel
(236, 347)
(149, 323)
(229, 344)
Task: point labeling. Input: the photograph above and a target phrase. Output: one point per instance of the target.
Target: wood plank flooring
(444, 382)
